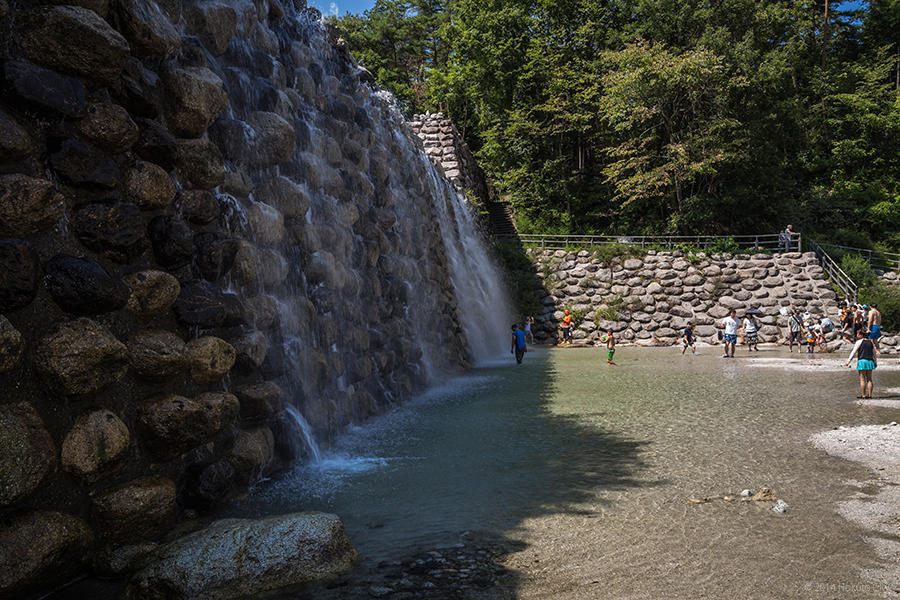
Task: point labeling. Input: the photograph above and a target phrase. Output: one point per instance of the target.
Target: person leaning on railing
(786, 239)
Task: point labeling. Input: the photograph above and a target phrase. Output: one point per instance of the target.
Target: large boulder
(109, 127)
(39, 550)
(80, 357)
(15, 143)
(45, 89)
(196, 97)
(200, 304)
(210, 359)
(260, 402)
(12, 345)
(82, 164)
(95, 446)
(82, 286)
(266, 223)
(147, 29)
(27, 452)
(149, 186)
(213, 21)
(152, 292)
(237, 558)
(139, 509)
(28, 205)
(274, 139)
(114, 230)
(174, 424)
(251, 351)
(199, 206)
(172, 240)
(156, 354)
(74, 40)
(214, 255)
(286, 196)
(252, 454)
(200, 164)
(20, 274)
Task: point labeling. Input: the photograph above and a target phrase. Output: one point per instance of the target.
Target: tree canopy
(662, 116)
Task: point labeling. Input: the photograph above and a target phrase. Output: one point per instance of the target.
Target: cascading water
(358, 261)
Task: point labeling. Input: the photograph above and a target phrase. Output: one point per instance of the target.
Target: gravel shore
(875, 506)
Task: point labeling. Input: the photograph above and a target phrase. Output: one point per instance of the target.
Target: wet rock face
(196, 96)
(252, 454)
(28, 205)
(109, 127)
(199, 206)
(214, 255)
(201, 304)
(172, 240)
(82, 287)
(15, 143)
(211, 563)
(12, 345)
(210, 359)
(80, 357)
(147, 29)
(82, 164)
(95, 445)
(114, 230)
(156, 354)
(74, 40)
(137, 510)
(152, 292)
(41, 549)
(175, 424)
(149, 186)
(213, 21)
(27, 452)
(45, 89)
(260, 402)
(20, 271)
(200, 164)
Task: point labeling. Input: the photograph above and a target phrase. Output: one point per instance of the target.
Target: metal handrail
(562, 241)
(835, 272)
(889, 261)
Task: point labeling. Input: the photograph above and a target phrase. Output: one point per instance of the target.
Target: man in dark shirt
(519, 347)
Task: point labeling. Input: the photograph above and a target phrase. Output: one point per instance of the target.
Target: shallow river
(588, 468)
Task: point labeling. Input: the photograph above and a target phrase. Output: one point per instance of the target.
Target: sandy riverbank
(876, 504)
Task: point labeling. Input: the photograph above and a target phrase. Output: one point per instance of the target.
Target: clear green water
(590, 467)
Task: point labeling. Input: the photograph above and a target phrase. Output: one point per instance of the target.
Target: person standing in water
(519, 348)
(866, 354)
(874, 323)
(730, 325)
(567, 328)
(529, 334)
(687, 340)
(610, 346)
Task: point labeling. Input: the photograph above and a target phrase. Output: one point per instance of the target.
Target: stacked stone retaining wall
(208, 217)
(446, 147)
(647, 300)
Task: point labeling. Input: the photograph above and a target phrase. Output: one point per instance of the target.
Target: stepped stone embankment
(647, 300)
(446, 147)
(196, 197)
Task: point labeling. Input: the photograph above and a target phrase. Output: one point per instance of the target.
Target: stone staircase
(501, 219)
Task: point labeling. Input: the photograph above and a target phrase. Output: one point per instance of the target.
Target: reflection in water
(590, 467)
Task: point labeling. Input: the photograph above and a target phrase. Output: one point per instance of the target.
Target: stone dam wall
(648, 300)
(215, 234)
(446, 147)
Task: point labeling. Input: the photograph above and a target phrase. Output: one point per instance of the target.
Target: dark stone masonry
(207, 214)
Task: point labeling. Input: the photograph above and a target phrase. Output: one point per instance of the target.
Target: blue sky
(340, 7)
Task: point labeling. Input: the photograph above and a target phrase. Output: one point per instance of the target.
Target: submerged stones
(241, 557)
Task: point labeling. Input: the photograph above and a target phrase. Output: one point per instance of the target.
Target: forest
(661, 116)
